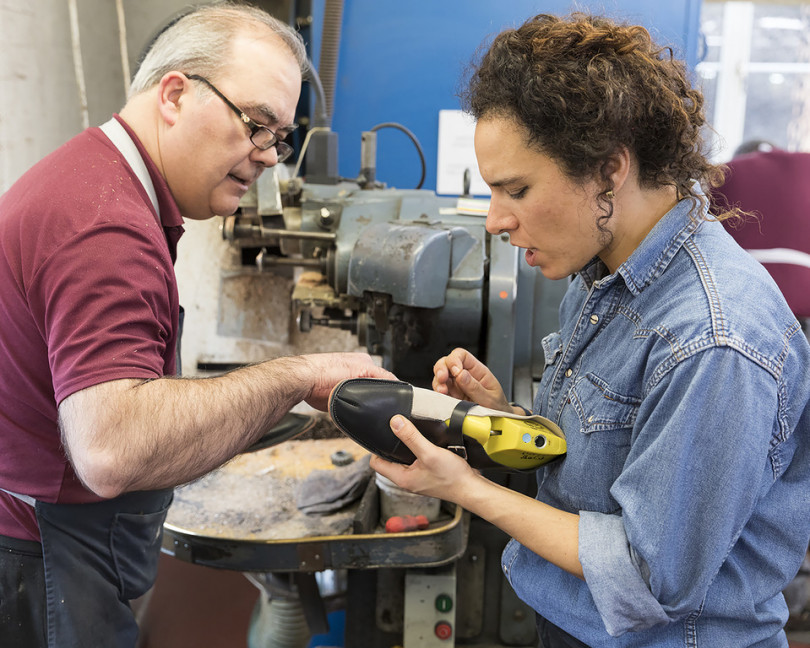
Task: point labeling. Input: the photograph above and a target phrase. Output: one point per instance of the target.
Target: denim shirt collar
(649, 260)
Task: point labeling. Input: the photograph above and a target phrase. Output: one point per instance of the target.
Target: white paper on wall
(455, 154)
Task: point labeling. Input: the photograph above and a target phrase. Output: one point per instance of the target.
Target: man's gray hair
(199, 42)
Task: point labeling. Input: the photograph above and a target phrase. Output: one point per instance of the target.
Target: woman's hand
(461, 375)
(550, 533)
(436, 472)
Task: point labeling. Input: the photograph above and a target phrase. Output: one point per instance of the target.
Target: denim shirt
(681, 382)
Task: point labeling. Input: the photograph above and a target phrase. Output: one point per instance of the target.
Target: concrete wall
(39, 106)
(40, 100)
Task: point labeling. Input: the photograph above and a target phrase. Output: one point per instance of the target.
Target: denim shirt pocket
(601, 409)
(598, 424)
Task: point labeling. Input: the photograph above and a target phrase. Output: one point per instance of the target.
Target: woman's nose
(497, 218)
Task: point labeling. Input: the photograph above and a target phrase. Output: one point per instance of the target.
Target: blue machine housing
(402, 62)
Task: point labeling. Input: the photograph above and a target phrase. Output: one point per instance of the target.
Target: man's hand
(331, 368)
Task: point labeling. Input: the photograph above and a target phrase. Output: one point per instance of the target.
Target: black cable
(413, 139)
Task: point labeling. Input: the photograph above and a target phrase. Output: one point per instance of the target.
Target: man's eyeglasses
(261, 136)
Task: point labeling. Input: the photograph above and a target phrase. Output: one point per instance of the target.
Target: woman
(678, 374)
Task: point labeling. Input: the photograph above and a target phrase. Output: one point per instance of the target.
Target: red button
(443, 630)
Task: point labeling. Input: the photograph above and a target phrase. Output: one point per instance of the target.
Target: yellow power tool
(515, 443)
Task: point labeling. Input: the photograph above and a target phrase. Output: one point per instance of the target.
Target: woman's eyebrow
(508, 181)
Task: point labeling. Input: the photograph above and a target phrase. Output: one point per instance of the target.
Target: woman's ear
(171, 90)
(616, 168)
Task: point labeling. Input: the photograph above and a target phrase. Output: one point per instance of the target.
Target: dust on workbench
(322, 428)
(252, 497)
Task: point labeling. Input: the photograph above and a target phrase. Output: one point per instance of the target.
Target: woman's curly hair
(584, 86)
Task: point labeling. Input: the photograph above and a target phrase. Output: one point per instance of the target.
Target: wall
(39, 106)
(40, 100)
(402, 63)
(398, 62)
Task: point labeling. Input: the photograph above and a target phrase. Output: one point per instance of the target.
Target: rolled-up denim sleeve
(614, 578)
(698, 464)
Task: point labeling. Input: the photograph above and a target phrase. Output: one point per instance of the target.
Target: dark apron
(98, 557)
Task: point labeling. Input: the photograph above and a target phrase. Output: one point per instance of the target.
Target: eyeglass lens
(263, 138)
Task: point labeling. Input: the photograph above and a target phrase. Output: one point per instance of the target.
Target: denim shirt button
(594, 319)
(568, 373)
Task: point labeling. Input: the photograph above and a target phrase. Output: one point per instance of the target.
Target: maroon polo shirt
(776, 186)
(88, 295)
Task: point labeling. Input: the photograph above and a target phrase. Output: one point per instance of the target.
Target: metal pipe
(278, 623)
(302, 235)
(320, 119)
(286, 261)
(234, 230)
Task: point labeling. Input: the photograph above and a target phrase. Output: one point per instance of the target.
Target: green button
(444, 603)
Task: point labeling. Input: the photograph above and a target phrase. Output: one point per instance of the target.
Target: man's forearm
(138, 435)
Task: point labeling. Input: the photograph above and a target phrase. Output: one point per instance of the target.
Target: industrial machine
(412, 275)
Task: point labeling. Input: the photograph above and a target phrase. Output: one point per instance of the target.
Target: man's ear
(171, 89)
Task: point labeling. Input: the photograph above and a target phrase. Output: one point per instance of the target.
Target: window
(755, 74)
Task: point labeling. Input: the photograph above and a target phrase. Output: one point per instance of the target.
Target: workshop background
(387, 120)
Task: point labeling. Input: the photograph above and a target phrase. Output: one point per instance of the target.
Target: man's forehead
(263, 69)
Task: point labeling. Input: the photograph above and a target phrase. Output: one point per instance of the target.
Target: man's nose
(266, 158)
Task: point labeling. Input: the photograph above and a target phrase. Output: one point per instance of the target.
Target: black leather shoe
(362, 408)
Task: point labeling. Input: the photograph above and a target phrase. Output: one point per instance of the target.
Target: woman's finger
(406, 431)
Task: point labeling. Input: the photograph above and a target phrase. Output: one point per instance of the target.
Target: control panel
(430, 608)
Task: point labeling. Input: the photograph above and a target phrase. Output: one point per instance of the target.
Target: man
(94, 430)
